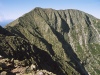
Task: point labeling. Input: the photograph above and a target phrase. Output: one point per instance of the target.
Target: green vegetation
(94, 48)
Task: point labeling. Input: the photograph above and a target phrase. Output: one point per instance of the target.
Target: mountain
(65, 42)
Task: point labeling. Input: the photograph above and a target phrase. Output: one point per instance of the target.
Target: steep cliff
(65, 41)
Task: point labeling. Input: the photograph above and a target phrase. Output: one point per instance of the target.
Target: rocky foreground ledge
(16, 67)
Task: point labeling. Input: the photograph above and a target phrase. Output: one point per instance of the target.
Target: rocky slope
(19, 49)
(16, 67)
(65, 42)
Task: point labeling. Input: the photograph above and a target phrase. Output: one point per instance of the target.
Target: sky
(12, 9)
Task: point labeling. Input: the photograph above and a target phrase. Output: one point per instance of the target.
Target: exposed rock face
(65, 42)
(8, 67)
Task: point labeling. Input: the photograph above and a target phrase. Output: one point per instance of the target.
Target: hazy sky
(12, 9)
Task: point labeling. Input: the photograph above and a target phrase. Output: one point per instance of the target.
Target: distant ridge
(5, 22)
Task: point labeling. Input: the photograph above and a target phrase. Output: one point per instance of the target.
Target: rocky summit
(64, 42)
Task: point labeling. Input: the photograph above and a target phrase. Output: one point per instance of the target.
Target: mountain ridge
(39, 8)
(70, 37)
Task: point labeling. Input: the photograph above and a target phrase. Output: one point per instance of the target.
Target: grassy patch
(94, 48)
